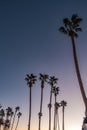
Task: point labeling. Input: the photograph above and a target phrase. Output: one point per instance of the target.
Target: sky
(31, 43)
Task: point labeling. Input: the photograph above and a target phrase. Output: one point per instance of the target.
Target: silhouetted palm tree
(71, 27)
(63, 104)
(19, 115)
(16, 110)
(55, 90)
(30, 81)
(52, 82)
(2, 114)
(7, 120)
(43, 78)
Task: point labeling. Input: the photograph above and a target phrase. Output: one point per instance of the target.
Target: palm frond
(19, 114)
(66, 22)
(76, 35)
(74, 17)
(78, 29)
(17, 108)
(77, 21)
(53, 80)
(63, 30)
(26, 79)
(30, 79)
(43, 77)
(63, 103)
(27, 75)
(55, 90)
(75, 25)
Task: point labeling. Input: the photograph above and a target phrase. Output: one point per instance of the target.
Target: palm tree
(52, 82)
(8, 115)
(19, 115)
(2, 114)
(43, 78)
(55, 90)
(71, 27)
(16, 110)
(30, 81)
(63, 104)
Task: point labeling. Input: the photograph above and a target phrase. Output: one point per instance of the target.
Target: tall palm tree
(19, 115)
(30, 81)
(52, 82)
(55, 90)
(71, 28)
(16, 110)
(63, 104)
(43, 78)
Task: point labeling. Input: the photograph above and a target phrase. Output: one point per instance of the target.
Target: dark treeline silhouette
(7, 118)
(45, 80)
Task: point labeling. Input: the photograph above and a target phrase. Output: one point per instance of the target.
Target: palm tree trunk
(55, 113)
(50, 109)
(13, 120)
(17, 124)
(40, 114)
(78, 72)
(5, 125)
(63, 118)
(10, 122)
(30, 110)
(58, 119)
(49, 118)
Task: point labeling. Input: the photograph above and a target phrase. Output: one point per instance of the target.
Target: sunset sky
(31, 43)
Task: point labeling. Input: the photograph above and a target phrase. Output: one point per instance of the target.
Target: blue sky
(30, 43)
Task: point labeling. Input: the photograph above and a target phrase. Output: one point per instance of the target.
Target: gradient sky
(30, 43)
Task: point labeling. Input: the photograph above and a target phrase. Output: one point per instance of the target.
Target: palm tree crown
(52, 80)
(55, 90)
(17, 108)
(63, 103)
(19, 114)
(43, 78)
(71, 26)
(30, 79)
